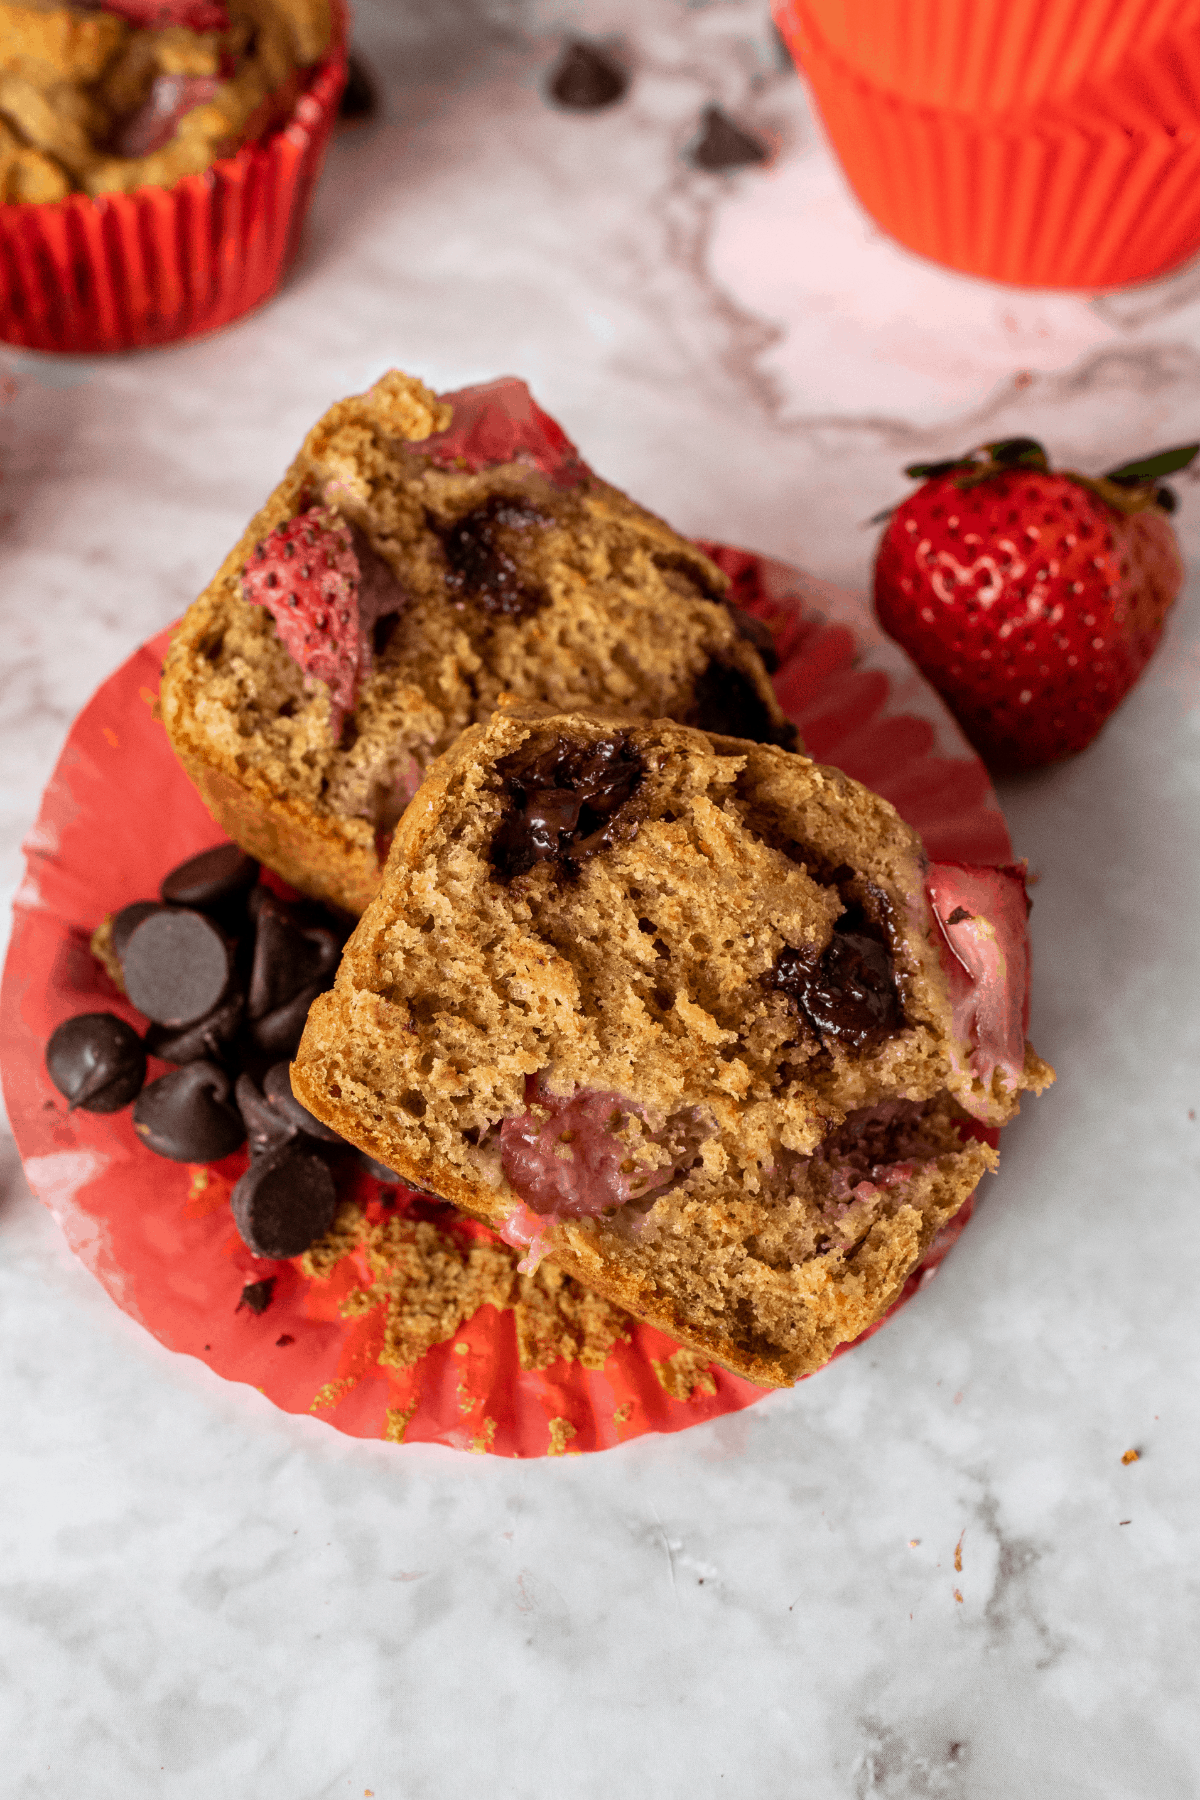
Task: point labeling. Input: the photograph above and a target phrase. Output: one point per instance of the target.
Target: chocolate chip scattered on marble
(176, 965)
(190, 1115)
(586, 78)
(359, 100)
(97, 1061)
(723, 145)
(284, 1202)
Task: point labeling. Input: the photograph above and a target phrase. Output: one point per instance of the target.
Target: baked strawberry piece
(423, 557)
(690, 1016)
(1031, 598)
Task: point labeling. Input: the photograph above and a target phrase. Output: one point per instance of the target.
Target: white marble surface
(202, 1597)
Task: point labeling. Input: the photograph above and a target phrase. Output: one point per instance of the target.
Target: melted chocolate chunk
(565, 804)
(216, 881)
(875, 1135)
(207, 1038)
(97, 1061)
(256, 1296)
(481, 565)
(724, 145)
(176, 966)
(727, 703)
(189, 1115)
(585, 79)
(284, 1202)
(848, 993)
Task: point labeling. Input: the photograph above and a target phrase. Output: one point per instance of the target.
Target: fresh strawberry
(157, 119)
(501, 422)
(1032, 599)
(306, 574)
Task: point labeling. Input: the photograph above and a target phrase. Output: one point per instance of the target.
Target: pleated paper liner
(159, 1235)
(989, 56)
(127, 271)
(1052, 199)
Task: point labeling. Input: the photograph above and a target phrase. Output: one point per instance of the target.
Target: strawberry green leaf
(1018, 453)
(1152, 468)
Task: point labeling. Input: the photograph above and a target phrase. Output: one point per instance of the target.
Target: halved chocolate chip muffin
(690, 1016)
(422, 557)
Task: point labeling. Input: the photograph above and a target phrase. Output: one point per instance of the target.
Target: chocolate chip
(959, 915)
(481, 565)
(565, 803)
(279, 1032)
(207, 1037)
(212, 881)
(266, 1129)
(585, 79)
(288, 958)
(277, 1087)
(126, 922)
(189, 1115)
(97, 1061)
(724, 145)
(176, 966)
(725, 701)
(379, 1170)
(256, 1296)
(847, 993)
(358, 96)
(284, 1202)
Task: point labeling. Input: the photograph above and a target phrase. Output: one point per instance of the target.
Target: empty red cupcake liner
(159, 1235)
(1091, 197)
(993, 56)
(127, 271)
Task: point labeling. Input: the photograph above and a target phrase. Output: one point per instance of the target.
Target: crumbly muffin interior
(642, 965)
(504, 583)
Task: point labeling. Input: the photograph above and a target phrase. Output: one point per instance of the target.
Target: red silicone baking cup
(126, 271)
(159, 1235)
(1095, 196)
(991, 56)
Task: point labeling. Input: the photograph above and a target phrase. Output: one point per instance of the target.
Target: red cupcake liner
(159, 1235)
(127, 271)
(992, 56)
(1096, 195)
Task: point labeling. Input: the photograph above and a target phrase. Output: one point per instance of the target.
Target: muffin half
(422, 557)
(690, 1016)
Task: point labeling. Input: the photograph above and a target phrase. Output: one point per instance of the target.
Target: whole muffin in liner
(128, 270)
